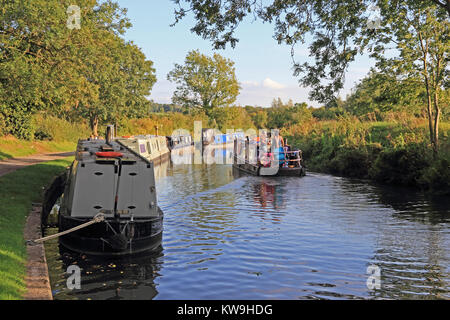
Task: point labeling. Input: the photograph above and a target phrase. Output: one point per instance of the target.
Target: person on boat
(266, 159)
(280, 142)
(280, 149)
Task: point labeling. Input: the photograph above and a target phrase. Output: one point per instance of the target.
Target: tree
(260, 119)
(380, 92)
(282, 115)
(421, 34)
(335, 25)
(278, 103)
(123, 78)
(204, 82)
(443, 4)
(27, 57)
(232, 118)
(90, 71)
(340, 29)
(258, 116)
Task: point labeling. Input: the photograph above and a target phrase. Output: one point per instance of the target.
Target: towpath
(10, 165)
(37, 279)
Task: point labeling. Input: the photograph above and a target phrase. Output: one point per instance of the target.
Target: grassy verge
(50, 134)
(11, 147)
(17, 192)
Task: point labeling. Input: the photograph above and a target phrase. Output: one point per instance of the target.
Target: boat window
(149, 147)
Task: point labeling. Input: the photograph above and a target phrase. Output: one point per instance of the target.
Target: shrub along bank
(387, 152)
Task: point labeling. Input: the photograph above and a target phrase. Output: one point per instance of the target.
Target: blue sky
(263, 67)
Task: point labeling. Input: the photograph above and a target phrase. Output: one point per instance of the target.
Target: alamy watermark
(236, 146)
(374, 280)
(374, 19)
(74, 18)
(74, 280)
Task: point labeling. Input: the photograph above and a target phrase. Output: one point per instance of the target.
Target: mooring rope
(100, 217)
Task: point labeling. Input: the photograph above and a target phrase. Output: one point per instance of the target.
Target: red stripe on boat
(109, 154)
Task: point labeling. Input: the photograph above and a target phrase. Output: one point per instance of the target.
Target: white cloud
(263, 92)
(266, 83)
(269, 83)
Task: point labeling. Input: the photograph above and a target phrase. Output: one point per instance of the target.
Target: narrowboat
(152, 148)
(181, 148)
(179, 141)
(213, 137)
(218, 147)
(275, 158)
(111, 178)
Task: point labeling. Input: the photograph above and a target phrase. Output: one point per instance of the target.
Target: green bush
(42, 135)
(436, 177)
(324, 113)
(3, 128)
(350, 162)
(18, 121)
(51, 128)
(403, 166)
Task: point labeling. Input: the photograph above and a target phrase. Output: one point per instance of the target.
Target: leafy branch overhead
(414, 32)
(334, 29)
(204, 82)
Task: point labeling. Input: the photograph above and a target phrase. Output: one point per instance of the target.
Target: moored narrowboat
(214, 138)
(179, 141)
(109, 179)
(181, 147)
(152, 148)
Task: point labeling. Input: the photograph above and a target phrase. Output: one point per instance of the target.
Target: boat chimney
(109, 134)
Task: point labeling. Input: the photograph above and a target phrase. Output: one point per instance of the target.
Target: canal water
(243, 237)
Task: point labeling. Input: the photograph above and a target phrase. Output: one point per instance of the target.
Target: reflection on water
(103, 279)
(242, 237)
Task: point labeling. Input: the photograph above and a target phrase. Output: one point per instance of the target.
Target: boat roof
(88, 151)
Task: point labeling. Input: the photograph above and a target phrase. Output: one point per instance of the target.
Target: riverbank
(394, 150)
(37, 278)
(18, 190)
(394, 153)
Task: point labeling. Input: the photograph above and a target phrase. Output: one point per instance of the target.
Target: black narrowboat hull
(112, 237)
(292, 172)
(256, 170)
(247, 168)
